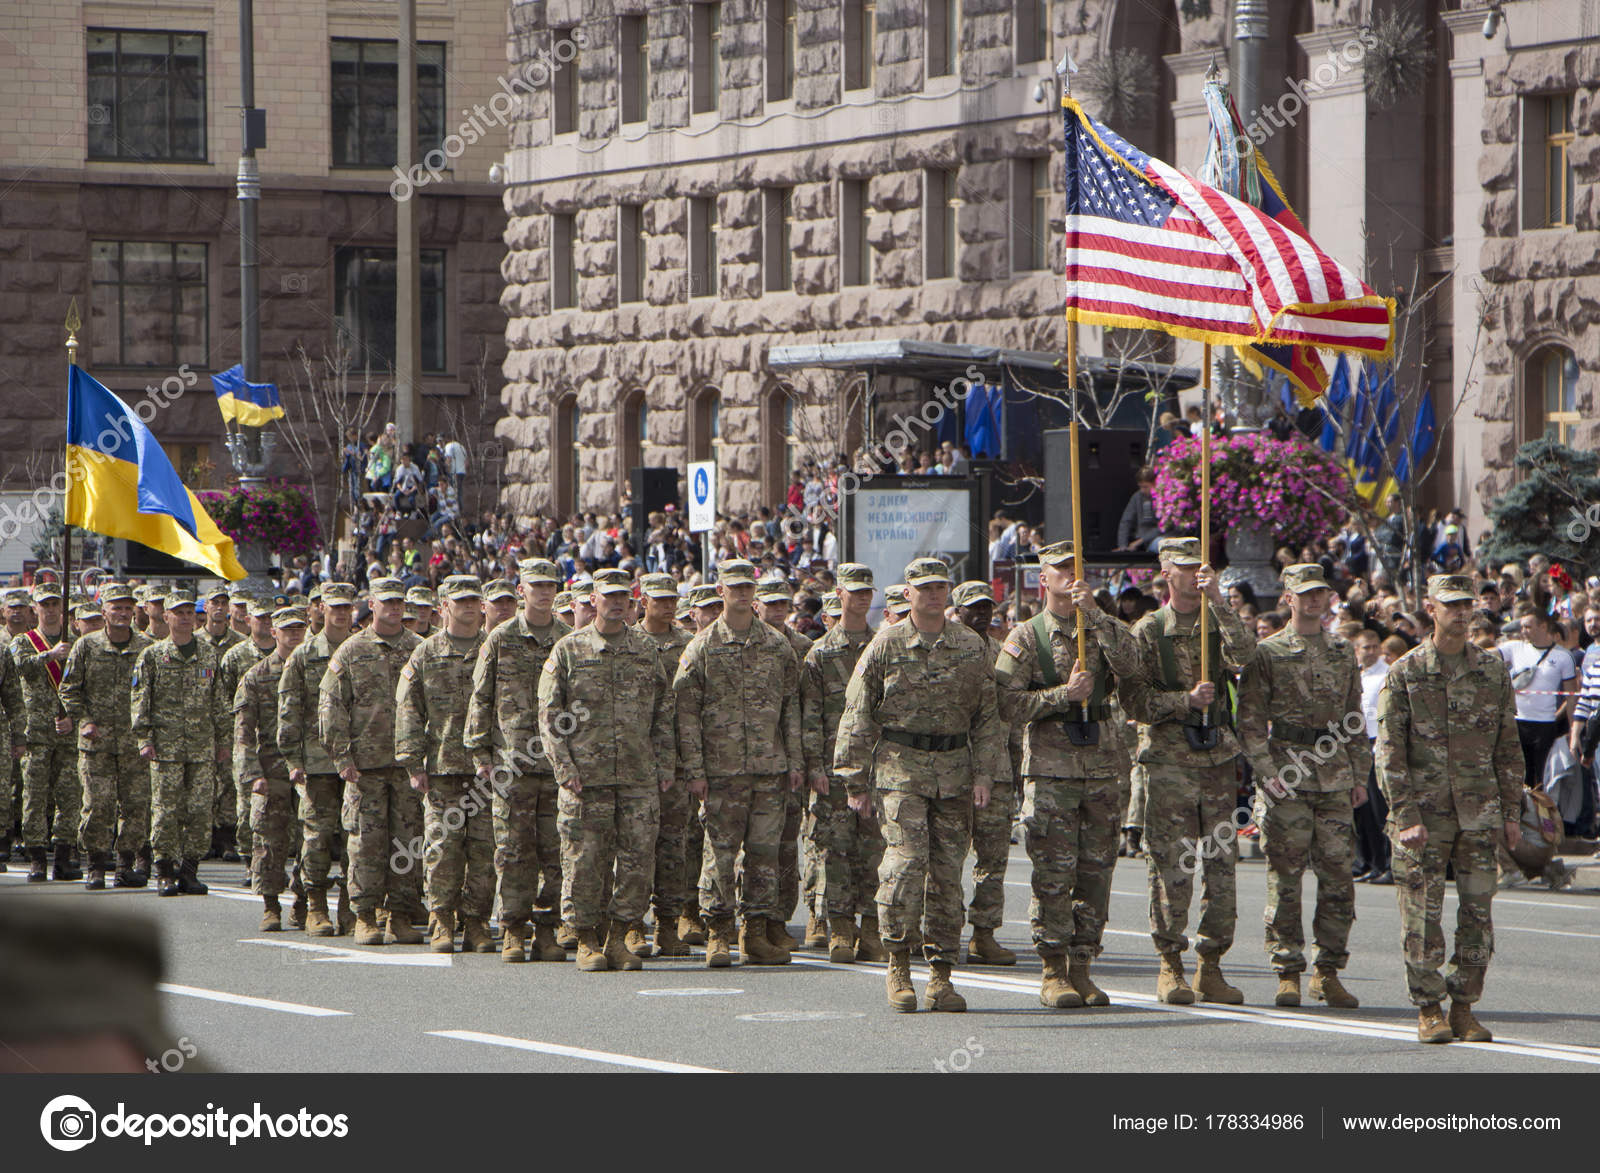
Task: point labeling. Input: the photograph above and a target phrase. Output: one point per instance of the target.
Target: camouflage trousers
(50, 786)
(742, 812)
(321, 796)
(243, 811)
(1133, 801)
(1071, 827)
(379, 811)
(115, 786)
(794, 805)
(1419, 886)
(925, 842)
(180, 808)
(991, 844)
(10, 792)
(851, 851)
(458, 838)
(1314, 828)
(271, 829)
(694, 853)
(608, 831)
(527, 847)
(672, 887)
(810, 859)
(1185, 805)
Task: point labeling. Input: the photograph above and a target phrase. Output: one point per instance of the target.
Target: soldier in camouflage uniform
(316, 614)
(14, 713)
(52, 797)
(239, 613)
(499, 603)
(582, 603)
(850, 845)
(672, 888)
(774, 606)
(259, 765)
(737, 692)
(421, 618)
(382, 815)
(502, 733)
(176, 714)
(154, 605)
(232, 812)
(896, 603)
(1072, 760)
(458, 829)
(1303, 732)
(1189, 751)
(611, 762)
(562, 607)
(115, 784)
(1450, 762)
(311, 771)
(922, 742)
(706, 605)
(219, 633)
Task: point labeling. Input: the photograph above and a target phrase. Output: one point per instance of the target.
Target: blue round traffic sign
(702, 485)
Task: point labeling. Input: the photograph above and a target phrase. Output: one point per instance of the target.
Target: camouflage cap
(1303, 577)
(854, 576)
(736, 571)
(1180, 551)
(461, 586)
(239, 599)
(316, 594)
(659, 586)
(1057, 553)
(924, 571)
(705, 595)
(412, 610)
(387, 590)
(177, 597)
(46, 590)
(499, 588)
(971, 593)
(115, 592)
(832, 606)
(288, 617)
(895, 598)
(682, 610)
(773, 591)
(1450, 588)
(613, 582)
(538, 570)
(338, 594)
(582, 589)
(86, 608)
(563, 601)
(421, 596)
(263, 608)
(218, 592)
(18, 597)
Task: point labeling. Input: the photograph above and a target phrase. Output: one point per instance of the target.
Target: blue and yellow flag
(252, 404)
(121, 484)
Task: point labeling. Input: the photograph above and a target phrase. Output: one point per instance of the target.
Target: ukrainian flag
(121, 484)
(252, 404)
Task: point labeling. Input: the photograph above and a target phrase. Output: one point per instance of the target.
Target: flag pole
(1077, 505)
(73, 323)
(1205, 518)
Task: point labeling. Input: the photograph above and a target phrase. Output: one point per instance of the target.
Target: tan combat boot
(779, 937)
(719, 943)
(297, 911)
(667, 942)
(618, 955)
(1465, 1027)
(545, 945)
(692, 930)
(318, 922)
(441, 932)
(367, 929)
(1171, 987)
(637, 942)
(1078, 978)
(902, 996)
(1326, 987)
(985, 950)
(400, 928)
(940, 994)
(513, 939)
(841, 940)
(818, 935)
(271, 915)
(347, 912)
(1289, 989)
(755, 944)
(1054, 989)
(869, 945)
(475, 935)
(591, 957)
(1431, 1026)
(566, 936)
(1210, 986)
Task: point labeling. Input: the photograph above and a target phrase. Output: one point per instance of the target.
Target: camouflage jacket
(1162, 711)
(222, 644)
(908, 684)
(824, 676)
(13, 708)
(670, 646)
(355, 708)
(98, 688)
(431, 705)
(606, 710)
(1447, 740)
(1014, 739)
(39, 697)
(299, 690)
(503, 710)
(231, 667)
(1300, 705)
(177, 706)
(255, 721)
(738, 703)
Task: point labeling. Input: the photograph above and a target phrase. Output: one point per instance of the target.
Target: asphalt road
(283, 1002)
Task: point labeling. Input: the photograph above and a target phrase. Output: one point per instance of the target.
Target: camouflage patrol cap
(115, 592)
(1303, 577)
(338, 594)
(46, 590)
(86, 608)
(659, 586)
(736, 571)
(895, 600)
(461, 586)
(926, 571)
(388, 590)
(582, 589)
(239, 599)
(855, 576)
(316, 594)
(682, 610)
(971, 593)
(288, 617)
(1450, 588)
(217, 592)
(538, 570)
(263, 608)
(177, 597)
(421, 596)
(613, 582)
(1057, 553)
(772, 591)
(832, 606)
(705, 595)
(18, 597)
(1180, 551)
(499, 588)
(563, 601)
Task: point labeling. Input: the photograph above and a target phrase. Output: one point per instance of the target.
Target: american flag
(1150, 247)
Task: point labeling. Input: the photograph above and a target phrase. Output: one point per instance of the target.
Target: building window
(630, 252)
(147, 95)
(364, 309)
(1558, 179)
(860, 27)
(775, 235)
(1030, 214)
(944, 36)
(855, 254)
(939, 210)
(1556, 370)
(703, 280)
(563, 261)
(366, 101)
(1032, 19)
(565, 457)
(778, 430)
(564, 87)
(706, 57)
(635, 81)
(780, 50)
(148, 303)
(705, 426)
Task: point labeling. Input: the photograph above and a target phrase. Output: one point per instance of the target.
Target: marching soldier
(50, 784)
(155, 613)
(850, 844)
(562, 607)
(738, 712)
(499, 602)
(896, 603)
(239, 613)
(431, 702)
(672, 890)
(611, 762)
(260, 767)
(705, 604)
(774, 606)
(1296, 696)
(502, 732)
(232, 812)
(16, 717)
(316, 615)
(582, 603)
(218, 631)
(355, 718)
(1450, 762)
(176, 714)
(420, 616)
(96, 691)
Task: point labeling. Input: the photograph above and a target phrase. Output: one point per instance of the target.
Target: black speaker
(141, 561)
(653, 490)
(1108, 479)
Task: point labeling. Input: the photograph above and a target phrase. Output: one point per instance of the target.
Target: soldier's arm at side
(333, 716)
(246, 735)
(664, 729)
(1509, 770)
(811, 736)
(478, 735)
(1357, 749)
(991, 737)
(688, 688)
(1238, 643)
(1255, 686)
(1394, 735)
(552, 703)
(71, 692)
(859, 730)
(789, 714)
(291, 713)
(140, 715)
(411, 715)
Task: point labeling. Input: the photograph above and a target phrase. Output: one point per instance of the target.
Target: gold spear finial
(74, 323)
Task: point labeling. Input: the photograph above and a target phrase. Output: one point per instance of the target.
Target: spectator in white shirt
(455, 455)
(1372, 845)
(1546, 682)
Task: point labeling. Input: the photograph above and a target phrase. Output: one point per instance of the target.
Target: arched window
(779, 442)
(705, 425)
(634, 430)
(1550, 396)
(564, 457)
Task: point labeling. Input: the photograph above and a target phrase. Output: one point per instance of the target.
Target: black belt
(934, 742)
(1296, 734)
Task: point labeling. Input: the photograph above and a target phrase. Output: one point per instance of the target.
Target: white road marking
(336, 954)
(611, 1057)
(801, 1015)
(257, 1003)
(690, 992)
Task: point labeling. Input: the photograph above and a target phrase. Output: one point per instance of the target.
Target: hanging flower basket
(280, 518)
